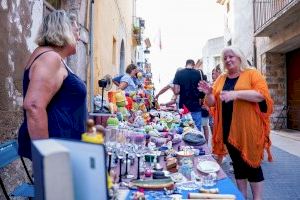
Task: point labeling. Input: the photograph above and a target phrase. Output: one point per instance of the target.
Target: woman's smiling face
(231, 61)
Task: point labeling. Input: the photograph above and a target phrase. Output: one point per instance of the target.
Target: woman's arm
(163, 90)
(123, 85)
(210, 99)
(46, 77)
(176, 89)
(116, 83)
(247, 95)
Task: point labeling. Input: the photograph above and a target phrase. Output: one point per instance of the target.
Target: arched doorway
(122, 58)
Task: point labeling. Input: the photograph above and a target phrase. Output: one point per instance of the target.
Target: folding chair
(8, 154)
(281, 117)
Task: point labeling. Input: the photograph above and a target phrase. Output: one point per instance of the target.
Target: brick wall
(273, 67)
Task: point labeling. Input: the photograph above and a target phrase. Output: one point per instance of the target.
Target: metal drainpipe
(254, 38)
(91, 57)
(254, 53)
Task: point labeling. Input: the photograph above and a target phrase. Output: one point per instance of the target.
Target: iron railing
(265, 10)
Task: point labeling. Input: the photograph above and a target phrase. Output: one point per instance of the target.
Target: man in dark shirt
(185, 85)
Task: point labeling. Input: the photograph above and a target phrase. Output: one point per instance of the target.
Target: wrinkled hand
(205, 87)
(228, 96)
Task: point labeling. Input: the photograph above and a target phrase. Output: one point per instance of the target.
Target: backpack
(202, 75)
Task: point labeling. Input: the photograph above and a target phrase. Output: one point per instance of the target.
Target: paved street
(282, 176)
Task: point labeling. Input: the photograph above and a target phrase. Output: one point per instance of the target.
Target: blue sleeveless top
(67, 111)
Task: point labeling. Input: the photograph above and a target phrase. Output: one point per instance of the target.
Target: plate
(178, 177)
(189, 185)
(208, 166)
(154, 184)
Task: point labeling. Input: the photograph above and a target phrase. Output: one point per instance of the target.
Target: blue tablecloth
(225, 186)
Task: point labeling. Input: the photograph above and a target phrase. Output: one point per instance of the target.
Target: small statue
(121, 103)
(92, 135)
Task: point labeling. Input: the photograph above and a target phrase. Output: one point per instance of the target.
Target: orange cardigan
(250, 128)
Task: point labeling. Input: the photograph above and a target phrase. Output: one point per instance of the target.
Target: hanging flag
(159, 39)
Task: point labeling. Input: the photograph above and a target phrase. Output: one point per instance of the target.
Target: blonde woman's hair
(57, 29)
(236, 51)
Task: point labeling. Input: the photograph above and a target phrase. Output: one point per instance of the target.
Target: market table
(224, 183)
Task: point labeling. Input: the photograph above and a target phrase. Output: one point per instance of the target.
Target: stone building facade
(20, 20)
(113, 40)
(238, 25)
(277, 39)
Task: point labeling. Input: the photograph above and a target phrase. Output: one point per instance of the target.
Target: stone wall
(16, 33)
(20, 20)
(274, 69)
(78, 62)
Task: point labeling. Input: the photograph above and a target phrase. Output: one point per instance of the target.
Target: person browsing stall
(54, 97)
(243, 106)
(174, 99)
(215, 73)
(204, 108)
(127, 81)
(185, 85)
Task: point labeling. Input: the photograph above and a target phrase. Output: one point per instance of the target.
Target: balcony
(137, 29)
(271, 16)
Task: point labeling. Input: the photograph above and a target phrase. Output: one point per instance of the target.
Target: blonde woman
(241, 120)
(54, 97)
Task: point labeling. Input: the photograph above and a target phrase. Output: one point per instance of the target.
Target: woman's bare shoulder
(50, 58)
(42, 54)
(48, 63)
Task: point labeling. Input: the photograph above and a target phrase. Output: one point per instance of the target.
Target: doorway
(122, 58)
(293, 89)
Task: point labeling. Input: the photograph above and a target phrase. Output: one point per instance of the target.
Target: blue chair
(8, 154)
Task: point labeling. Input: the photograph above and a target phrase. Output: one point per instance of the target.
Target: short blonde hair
(236, 51)
(57, 29)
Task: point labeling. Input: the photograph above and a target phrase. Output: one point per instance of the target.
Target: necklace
(233, 75)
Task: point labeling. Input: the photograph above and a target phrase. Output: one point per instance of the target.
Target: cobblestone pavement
(282, 176)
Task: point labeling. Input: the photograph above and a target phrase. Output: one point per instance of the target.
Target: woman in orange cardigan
(241, 121)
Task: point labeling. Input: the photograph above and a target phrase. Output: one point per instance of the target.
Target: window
(55, 3)
(114, 51)
(217, 60)
(50, 5)
(122, 58)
